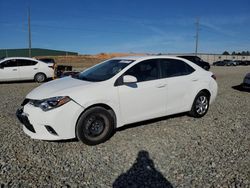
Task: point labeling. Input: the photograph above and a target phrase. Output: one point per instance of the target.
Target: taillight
(214, 77)
(53, 66)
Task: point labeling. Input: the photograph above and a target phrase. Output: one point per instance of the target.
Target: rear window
(47, 60)
(175, 67)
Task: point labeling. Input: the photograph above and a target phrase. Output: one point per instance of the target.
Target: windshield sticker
(126, 61)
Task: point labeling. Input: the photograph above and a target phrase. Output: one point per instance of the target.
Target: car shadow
(64, 141)
(24, 81)
(240, 88)
(146, 122)
(16, 82)
(129, 126)
(142, 174)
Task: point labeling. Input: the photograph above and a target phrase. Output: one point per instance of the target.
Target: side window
(10, 63)
(24, 62)
(174, 67)
(145, 70)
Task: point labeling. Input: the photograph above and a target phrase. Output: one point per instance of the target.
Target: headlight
(51, 103)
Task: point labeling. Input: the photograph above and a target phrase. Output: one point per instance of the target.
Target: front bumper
(56, 124)
(24, 120)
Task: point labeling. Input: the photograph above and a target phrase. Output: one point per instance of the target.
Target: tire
(95, 126)
(40, 77)
(200, 105)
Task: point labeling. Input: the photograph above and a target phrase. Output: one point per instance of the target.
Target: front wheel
(200, 105)
(95, 126)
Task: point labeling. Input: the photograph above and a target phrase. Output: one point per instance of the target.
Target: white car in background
(120, 91)
(22, 68)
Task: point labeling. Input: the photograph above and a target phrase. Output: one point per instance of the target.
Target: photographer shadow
(142, 174)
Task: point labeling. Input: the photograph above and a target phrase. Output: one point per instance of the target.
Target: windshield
(104, 71)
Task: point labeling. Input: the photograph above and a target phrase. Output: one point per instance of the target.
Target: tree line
(236, 53)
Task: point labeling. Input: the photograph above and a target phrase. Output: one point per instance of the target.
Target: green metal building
(34, 52)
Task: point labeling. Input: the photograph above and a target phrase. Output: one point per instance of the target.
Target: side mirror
(128, 79)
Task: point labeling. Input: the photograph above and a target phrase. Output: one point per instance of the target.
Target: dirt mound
(84, 61)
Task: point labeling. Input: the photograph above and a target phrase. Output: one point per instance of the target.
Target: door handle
(35, 68)
(195, 79)
(161, 85)
(14, 69)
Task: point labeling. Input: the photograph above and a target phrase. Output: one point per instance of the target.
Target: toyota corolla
(120, 91)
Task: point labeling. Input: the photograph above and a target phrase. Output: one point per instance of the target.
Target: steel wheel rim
(95, 126)
(40, 77)
(201, 105)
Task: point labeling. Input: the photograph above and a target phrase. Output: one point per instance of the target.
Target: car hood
(56, 88)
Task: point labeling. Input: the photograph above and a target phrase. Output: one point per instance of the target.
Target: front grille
(51, 130)
(28, 125)
(24, 120)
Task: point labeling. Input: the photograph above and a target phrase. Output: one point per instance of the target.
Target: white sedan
(23, 68)
(119, 91)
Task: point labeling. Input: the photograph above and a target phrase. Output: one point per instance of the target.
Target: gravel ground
(177, 151)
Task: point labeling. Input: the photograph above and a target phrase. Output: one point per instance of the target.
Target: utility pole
(197, 35)
(29, 32)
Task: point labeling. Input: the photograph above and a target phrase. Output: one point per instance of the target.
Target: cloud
(226, 25)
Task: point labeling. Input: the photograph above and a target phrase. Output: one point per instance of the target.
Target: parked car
(22, 68)
(198, 61)
(247, 62)
(231, 63)
(48, 60)
(69, 73)
(242, 62)
(114, 93)
(246, 81)
(60, 69)
(219, 63)
(225, 63)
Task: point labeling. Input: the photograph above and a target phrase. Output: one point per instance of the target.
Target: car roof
(147, 57)
(187, 56)
(9, 58)
(139, 58)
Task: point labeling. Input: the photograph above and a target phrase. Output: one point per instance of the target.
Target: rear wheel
(40, 77)
(200, 105)
(95, 126)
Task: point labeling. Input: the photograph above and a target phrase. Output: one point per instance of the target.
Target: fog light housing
(51, 130)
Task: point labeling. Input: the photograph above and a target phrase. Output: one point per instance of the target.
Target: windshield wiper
(87, 79)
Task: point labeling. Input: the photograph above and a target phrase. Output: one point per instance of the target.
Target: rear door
(9, 70)
(27, 68)
(180, 84)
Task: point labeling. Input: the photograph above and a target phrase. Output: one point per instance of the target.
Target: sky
(138, 26)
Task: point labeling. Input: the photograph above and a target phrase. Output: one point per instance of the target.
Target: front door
(145, 99)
